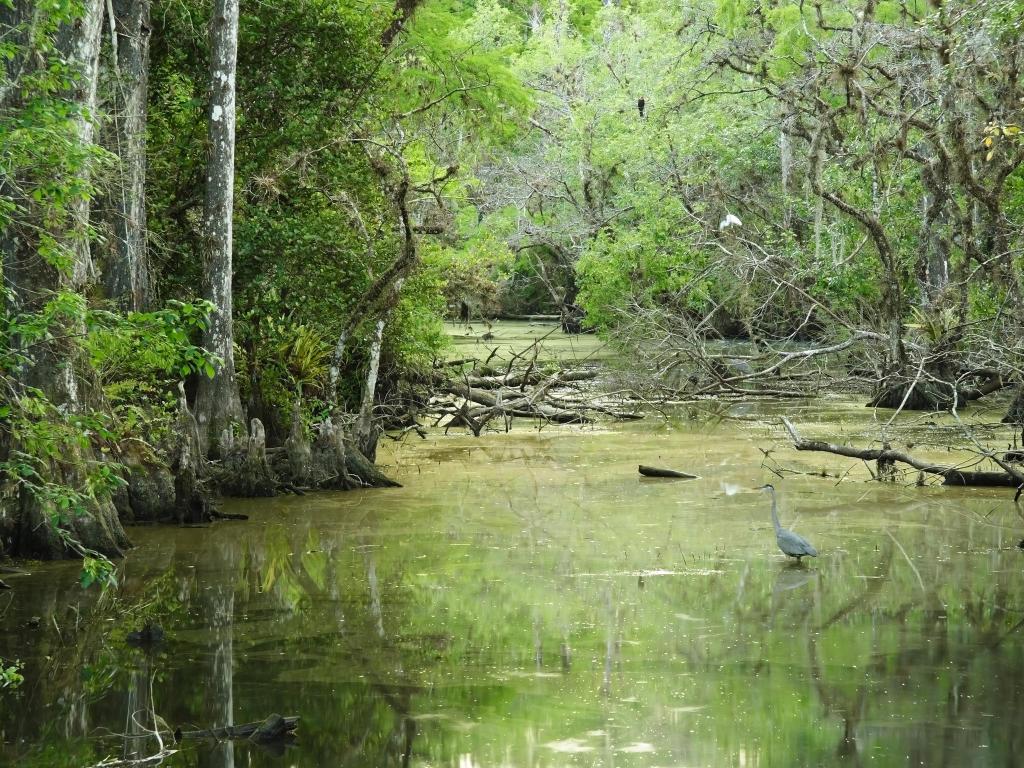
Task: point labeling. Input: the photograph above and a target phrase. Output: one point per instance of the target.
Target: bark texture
(56, 366)
(246, 471)
(218, 405)
(365, 432)
(126, 278)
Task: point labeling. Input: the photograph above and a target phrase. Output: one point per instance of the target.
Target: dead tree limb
(274, 727)
(950, 475)
(515, 403)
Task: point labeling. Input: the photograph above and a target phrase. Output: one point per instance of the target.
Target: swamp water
(528, 600)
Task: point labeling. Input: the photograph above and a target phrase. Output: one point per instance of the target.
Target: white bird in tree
(790, 543)
(730, 220)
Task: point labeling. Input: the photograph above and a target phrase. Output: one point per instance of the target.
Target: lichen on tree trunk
(126, 275)
(218, 405)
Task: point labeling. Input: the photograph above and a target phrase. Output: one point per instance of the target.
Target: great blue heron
(790, 543)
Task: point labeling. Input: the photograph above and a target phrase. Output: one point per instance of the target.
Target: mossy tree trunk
(57, 513)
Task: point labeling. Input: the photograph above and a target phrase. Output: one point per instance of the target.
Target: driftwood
(886, 457)
(516, 403)
(520, 379)
(935, 394)
(454, 363)
(657, 472)
(217, 515)
(273, 728)
(522, 390)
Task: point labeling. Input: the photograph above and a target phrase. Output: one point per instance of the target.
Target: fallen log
(519, 379)
(517, 404)
(658, 472)
(227, 515)
(273, 728)
(885, 455)
(532, 318)
(453, 363)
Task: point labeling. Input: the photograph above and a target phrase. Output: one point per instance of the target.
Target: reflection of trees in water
(139, 722)
(220, 689)
(369, 632)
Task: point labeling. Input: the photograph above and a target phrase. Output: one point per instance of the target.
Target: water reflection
(508, 608)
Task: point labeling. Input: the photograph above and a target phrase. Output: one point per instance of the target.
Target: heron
(791, 544)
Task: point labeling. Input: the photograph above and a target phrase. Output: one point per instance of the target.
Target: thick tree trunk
(126, 278)
(218, 405)
(81, 43)
(57, 366)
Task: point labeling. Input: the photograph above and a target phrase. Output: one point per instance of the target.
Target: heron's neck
(775, 512)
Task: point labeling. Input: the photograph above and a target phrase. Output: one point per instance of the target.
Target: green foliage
(140, 357)
(304, 356)
(415, 337)
(646, 260)
(41, 150)
(98, 570)
(149, 344)
(10, 674)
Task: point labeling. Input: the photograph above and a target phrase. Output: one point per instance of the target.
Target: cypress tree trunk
(56, 366)
(127, 276)
(218, 405)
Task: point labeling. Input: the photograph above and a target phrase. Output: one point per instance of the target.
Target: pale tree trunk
(127, 276)
(218, 405)
(786, 167)
(58, 367)
(365, 434)
(82, 42)
(366, 439)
